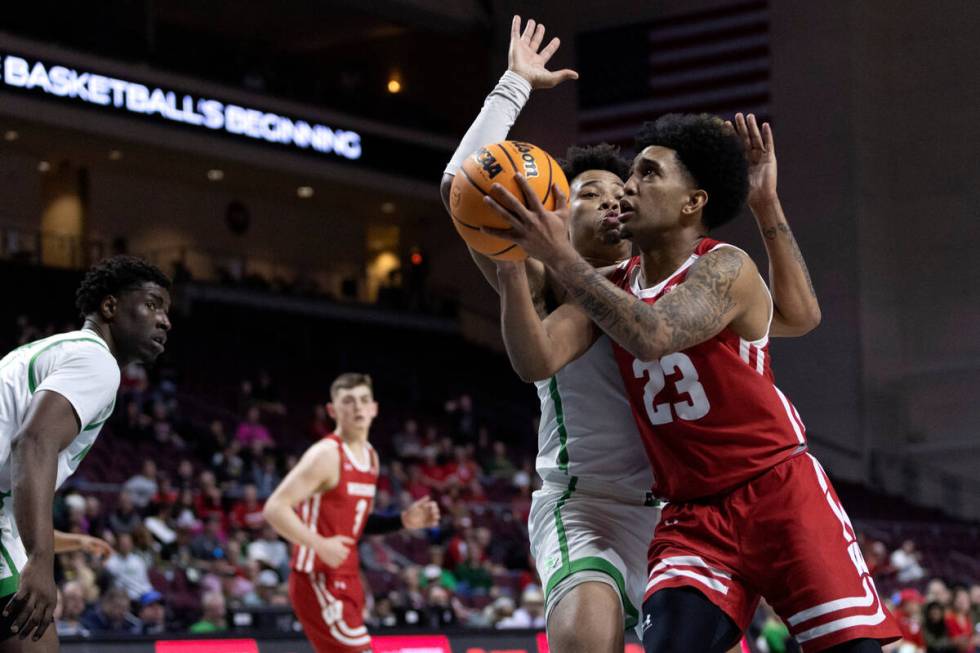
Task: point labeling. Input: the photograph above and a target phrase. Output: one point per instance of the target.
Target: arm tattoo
(783, 228)
(695, 311)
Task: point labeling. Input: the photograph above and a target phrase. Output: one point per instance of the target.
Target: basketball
(498, 163)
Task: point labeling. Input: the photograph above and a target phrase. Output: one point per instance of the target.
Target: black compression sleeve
(379, 524)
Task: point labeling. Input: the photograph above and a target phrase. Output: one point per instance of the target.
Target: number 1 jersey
(711, 416)
(342, 510)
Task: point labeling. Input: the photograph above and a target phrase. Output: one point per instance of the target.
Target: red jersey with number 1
(342, 510)
(711, 416)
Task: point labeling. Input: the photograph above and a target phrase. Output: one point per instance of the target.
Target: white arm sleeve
(497, 116)
(85, 374)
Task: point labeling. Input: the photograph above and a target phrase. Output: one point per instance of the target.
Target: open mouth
(160, 341)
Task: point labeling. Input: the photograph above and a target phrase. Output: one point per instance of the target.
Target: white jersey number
(359, 514)
(656, 372)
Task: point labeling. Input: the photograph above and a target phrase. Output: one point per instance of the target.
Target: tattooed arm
(796, 309)
(721, 289)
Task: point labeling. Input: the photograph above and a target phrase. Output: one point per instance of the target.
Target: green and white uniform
(77, 365)
(593, 518)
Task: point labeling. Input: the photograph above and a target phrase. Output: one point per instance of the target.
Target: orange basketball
(498, 163)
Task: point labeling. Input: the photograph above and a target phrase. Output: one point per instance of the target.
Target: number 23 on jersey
(656, 373)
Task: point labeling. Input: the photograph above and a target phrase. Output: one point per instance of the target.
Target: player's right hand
(334, 550)
(524, 59)
(32, 607)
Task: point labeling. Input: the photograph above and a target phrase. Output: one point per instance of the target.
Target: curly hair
(603, 156)
(710, 152)
(113, 276)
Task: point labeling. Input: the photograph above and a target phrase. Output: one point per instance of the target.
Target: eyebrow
(653, 163)
(594, 182)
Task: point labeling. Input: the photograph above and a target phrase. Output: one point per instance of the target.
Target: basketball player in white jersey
(55, 395)
(591, 522)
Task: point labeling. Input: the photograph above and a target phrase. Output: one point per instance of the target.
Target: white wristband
(497, 116)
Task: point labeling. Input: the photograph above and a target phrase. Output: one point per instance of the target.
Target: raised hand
(760, 151)
(525, 59)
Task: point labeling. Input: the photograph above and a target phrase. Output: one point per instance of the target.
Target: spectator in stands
(407, 443)
(463, 417)
(128, 568)
(440, 612)
(185, 475)
(474, 573)
(265, 475)
(269, 550)
(208, 546)
(266, 394)
(71, 607)
(228, 465)
(213, 619)
(251, 430)
(133, 382)
(135, 425)
(97, 522)
(909, 618)
(112, 615)
(209, 500)
(975, 602)
(247, 513)
(125, 518)
(500, 467)
(320, 427)
(959, 622)
(934, 630)
(938, 591)
(531, 612)
(153, 613)
(142, 487)
(905, 562)
(435, 472)
(435, 573)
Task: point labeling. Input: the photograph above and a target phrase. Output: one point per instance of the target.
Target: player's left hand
(424, 513)
(760, 151)
(543, 234)
(95, 546)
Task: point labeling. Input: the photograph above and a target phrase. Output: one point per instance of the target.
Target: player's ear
(695, 202)
(108, 307)
(331, 411)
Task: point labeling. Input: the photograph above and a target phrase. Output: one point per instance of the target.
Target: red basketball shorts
(330, 608)
(783, 536)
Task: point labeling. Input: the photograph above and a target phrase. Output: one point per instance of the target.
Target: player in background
(750, 512)
(590, 551)
(323, 506)
(55, 395)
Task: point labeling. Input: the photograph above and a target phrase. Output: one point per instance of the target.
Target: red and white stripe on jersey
(832, 617)
(309, 510)
(692, 567)
(332, 611)
(342, 510)
(711, 416)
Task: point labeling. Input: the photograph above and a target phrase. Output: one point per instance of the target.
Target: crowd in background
(192, 552)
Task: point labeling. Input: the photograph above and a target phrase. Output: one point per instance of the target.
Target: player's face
(140, 322)
(353, 409)
(593, 223)
(658, 193)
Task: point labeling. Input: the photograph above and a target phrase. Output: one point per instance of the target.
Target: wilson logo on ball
(530, 164)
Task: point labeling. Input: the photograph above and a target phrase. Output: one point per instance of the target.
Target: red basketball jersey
(342, 510)
(711, 415)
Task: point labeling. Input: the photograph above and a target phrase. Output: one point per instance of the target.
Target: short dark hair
(603, 156)
(711, 152)
(348, 381)
(113, 276)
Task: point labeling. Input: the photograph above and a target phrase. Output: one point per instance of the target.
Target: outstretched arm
(796, 309)
(538, 347)
(526, 70)
(720, 289)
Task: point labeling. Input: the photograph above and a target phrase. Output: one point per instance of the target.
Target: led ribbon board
(86, 87)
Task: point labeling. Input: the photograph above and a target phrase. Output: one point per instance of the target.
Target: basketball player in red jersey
(750, 512)
(322, 507)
